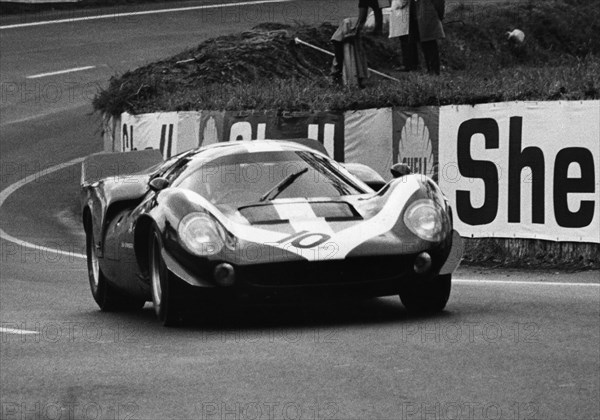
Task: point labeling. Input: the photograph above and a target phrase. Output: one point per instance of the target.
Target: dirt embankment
(264, 68)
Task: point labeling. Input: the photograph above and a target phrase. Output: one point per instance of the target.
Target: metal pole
(314, 47)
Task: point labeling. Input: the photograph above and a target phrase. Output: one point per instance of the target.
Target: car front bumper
(364, 277)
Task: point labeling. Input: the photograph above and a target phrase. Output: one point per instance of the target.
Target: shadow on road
(260, 317)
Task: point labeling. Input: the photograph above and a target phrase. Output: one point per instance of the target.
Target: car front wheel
(428, 296)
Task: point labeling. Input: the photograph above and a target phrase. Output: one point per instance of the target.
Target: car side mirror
(158, 184)
(400, 169)
(366, 174)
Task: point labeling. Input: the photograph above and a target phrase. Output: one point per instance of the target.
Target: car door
(123, 230)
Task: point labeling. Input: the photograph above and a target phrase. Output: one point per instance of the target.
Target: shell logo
(415, 147)
(210, 134)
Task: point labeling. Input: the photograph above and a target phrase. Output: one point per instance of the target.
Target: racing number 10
(305, 239)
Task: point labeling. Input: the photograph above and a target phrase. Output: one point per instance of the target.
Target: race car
(261, 221)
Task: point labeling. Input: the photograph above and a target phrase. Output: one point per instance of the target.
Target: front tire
(106, 297)
(427, 297)
(163, 293)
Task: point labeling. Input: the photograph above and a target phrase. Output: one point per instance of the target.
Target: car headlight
(424, 218)
(201, 234)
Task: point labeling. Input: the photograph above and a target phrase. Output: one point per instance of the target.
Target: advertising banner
(175, 132)
(381, 137)
(243, 126)
(111, 133)
(510, 170)
(369, 139)
(326, 127)
(415, 138)
(211, 126)
(150, 131)
(523, 169)
(188, 135)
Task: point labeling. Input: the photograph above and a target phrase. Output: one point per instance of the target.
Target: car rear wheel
(107, 298)
(163, 293)
(428, 296)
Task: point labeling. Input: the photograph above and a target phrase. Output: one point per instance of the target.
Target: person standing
(349, 55)
(425, 27)
(349, 32)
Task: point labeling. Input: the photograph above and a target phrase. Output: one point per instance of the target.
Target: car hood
(325, 228)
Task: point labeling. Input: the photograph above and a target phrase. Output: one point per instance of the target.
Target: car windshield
(242, 179)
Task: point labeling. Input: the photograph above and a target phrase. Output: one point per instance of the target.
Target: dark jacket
(429, 15)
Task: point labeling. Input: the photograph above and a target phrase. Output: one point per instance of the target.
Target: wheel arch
(143, 227)
(87, 219)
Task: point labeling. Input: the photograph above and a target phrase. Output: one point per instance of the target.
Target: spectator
(344, 33)
(348, 33)
(348, 49)
(425, 27)
(363, 12)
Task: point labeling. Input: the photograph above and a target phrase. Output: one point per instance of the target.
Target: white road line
(42, 115)
(16, 331)
(55, 73)
(4, 194)
(145, 12)
(526, 283)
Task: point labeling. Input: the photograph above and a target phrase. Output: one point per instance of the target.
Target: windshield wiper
(282, 185)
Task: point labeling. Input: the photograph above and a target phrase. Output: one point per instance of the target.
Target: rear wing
(114, 164)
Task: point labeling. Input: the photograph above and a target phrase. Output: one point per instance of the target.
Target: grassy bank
(531, 253)
(265, 69)
(521, 83)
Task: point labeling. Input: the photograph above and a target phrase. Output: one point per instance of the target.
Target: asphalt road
(511, 345)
